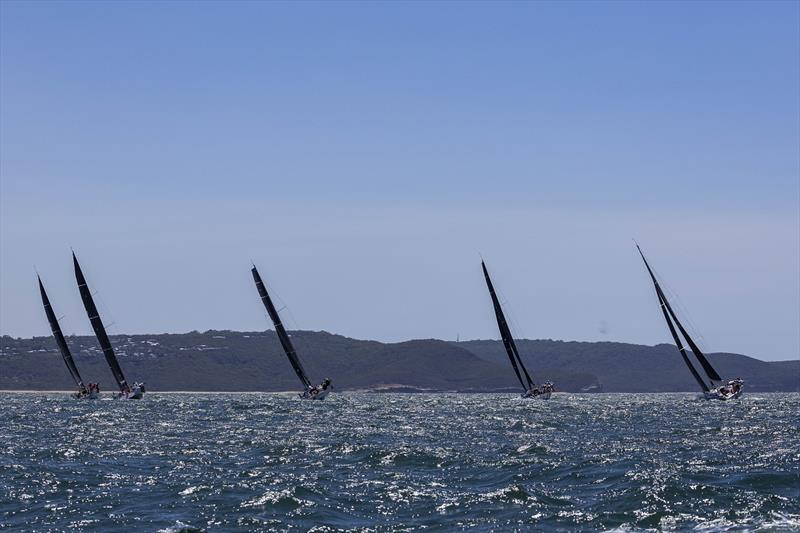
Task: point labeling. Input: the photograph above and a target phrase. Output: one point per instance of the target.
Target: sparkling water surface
(399, 462)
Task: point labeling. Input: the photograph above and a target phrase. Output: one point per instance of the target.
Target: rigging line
(285, 306)
(502, 324)
(108, 314)
(683, 312)
(280, 329)
(697, 334)
(520, 334)
(98, 296)
(292, 318)
(663, 304)
(508, 310)
(511, 316)
(516, 351)
(275, 296)
(670, 316)
(681, 309)
(707, 366)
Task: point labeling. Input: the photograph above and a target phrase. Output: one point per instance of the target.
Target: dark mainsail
(670, 317)
(59, 337)
(505, 334)
(286, 342)
(99, 329)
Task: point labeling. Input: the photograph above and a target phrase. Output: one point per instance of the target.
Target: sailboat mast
(98, 327)
(283, 336)
(505, 334)
(667, 311)
(59, 337)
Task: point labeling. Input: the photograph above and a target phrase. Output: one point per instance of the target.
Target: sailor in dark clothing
(735, 385)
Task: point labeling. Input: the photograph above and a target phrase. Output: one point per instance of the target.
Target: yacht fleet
(711, 384)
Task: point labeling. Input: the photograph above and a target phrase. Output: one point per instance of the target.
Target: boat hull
(717, 395)
(89, 396)
(136, 394)
(319, 396)
(542, 396)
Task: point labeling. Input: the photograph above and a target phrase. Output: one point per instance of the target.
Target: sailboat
(528, 387)
(125, 390)
(83, 392)
(714, 389)
(310, 392)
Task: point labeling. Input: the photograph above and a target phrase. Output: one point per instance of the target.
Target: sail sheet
(99, 329)
(669, 313)
(283, 336)
(505, 334)
(59, 337)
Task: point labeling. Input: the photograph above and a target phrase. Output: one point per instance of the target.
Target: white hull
(123, 397)
(136, 394)
(717, 395)
(543, 396)
(319, 396)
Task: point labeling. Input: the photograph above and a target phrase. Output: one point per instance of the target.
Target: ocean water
(399, 462)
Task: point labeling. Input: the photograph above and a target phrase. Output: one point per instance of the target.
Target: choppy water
(252, 462)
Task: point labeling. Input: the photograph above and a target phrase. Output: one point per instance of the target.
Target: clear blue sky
(363, 154)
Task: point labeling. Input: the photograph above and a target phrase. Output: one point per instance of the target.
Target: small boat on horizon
(83, 393)
(311, 392)
(714, 389)
(529, 388)
(126, 392)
